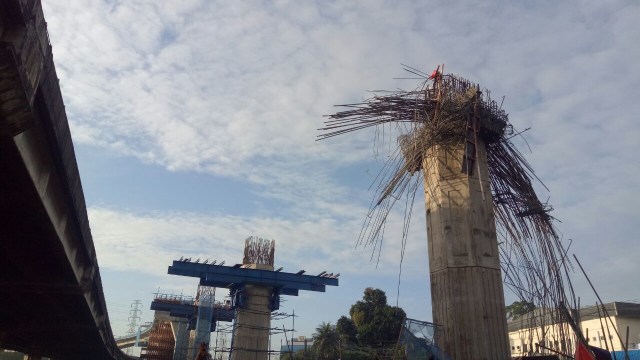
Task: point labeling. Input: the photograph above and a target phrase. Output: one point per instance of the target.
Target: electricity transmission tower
(134, 320)
(134, 316)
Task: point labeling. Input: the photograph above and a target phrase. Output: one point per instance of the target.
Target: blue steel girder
(234, 277)
(188, 310)
(185, 310)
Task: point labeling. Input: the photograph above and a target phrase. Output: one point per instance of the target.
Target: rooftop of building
(550, 316)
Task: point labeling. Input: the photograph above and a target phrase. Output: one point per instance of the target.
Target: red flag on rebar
(582, 352)
(435, 72)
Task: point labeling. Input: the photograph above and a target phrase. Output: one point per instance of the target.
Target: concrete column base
(251, 338)
(464, 259)
(192, 350)
(181, 335)
(479, 324)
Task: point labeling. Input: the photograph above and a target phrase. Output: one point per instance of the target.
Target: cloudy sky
(194, 123)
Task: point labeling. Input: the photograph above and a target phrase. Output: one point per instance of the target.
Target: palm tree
(326, 341)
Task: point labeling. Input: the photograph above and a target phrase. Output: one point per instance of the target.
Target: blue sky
(194, 124)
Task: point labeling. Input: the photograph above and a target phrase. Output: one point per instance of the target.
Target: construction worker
(203, 354)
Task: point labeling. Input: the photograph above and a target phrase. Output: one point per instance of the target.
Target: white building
(300, 344)
(601, 331)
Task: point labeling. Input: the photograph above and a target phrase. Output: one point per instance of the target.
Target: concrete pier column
(192, 350)
(181, 336)
(251, 336)
(464, 263)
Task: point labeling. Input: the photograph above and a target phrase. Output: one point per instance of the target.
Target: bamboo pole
(599, 299)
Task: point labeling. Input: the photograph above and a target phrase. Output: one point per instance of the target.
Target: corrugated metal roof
(619, 355)
(616, 308)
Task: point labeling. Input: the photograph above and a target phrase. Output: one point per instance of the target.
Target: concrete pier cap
(255, 290)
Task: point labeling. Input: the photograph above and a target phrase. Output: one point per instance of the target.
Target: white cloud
(238, 89)
(144, 244)
(148, 242)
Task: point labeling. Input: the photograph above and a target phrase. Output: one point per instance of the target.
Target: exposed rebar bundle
(447, 112)
(258, 251)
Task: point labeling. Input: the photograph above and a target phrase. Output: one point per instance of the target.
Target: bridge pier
(464, 260)
(193, 348)
(251, 333)
(181, 335)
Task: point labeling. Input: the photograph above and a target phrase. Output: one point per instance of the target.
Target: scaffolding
(161, 343)
(419, 340)
(205, 302)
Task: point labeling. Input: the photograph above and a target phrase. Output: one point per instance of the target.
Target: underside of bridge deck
(44, 309)
(51, 299)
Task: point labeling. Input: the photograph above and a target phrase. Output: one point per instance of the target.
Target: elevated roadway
(51, 297)
(130, 340)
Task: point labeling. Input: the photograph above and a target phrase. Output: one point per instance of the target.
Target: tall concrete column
(251, 335)
(193, 347)
(464, 263)
(181, 336)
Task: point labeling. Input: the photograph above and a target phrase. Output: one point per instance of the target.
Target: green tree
(299, 355)
(519, 308)
(347, 330)
(326, 342)
(358, 353)
(378, 324)
(375, 297)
